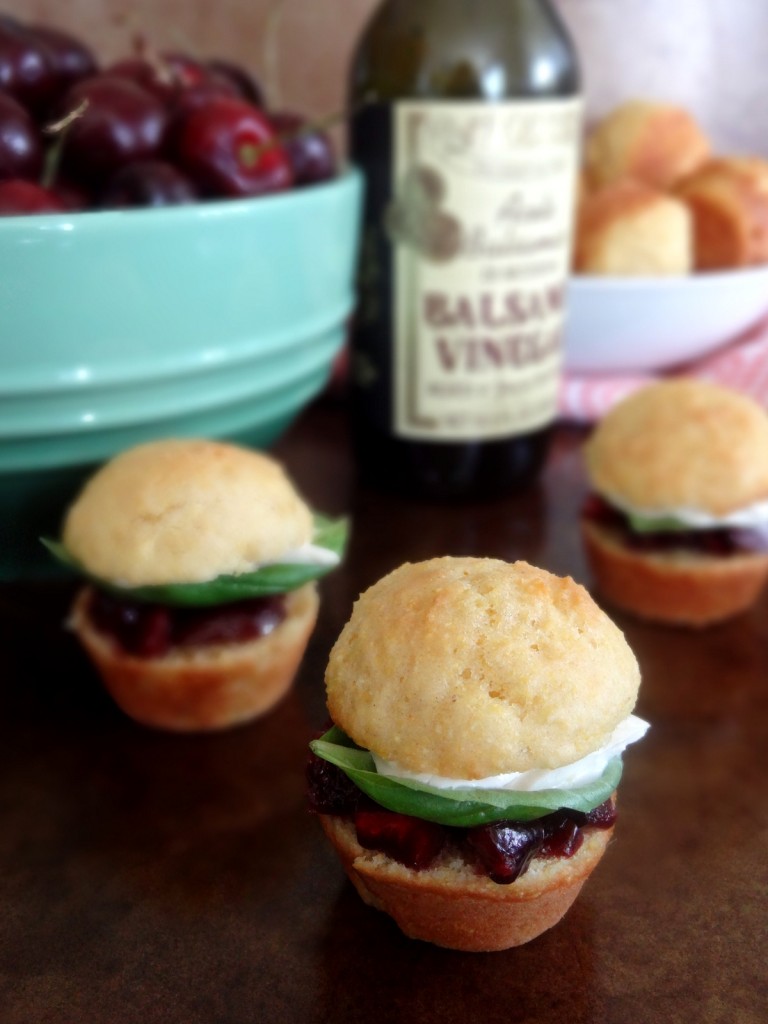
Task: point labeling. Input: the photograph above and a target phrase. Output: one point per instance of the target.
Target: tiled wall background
(711, 55)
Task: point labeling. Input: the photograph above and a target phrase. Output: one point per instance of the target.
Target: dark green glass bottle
(466, 122)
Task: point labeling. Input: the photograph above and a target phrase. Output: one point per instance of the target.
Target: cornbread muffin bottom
(450, 905)
(208, 687)
(680, 588)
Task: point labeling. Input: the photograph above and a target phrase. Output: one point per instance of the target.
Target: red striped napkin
(742, 364)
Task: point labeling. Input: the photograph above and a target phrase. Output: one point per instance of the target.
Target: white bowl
(623, 324)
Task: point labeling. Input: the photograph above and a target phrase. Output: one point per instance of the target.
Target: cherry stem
(319, 124)
(58, 130)
(271, 50)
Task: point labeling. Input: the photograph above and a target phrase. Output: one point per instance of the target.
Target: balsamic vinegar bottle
(466, 122)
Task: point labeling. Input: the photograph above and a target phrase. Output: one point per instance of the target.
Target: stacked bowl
(217, 319)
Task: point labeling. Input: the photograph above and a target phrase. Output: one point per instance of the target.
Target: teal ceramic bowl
(217, 319)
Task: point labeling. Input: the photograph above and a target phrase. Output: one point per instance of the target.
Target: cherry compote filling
(725, 540)
(149, 630)
(502, 850)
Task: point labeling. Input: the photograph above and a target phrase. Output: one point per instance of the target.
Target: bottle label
(481, 223)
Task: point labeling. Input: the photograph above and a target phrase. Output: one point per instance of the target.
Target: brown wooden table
(147, 877)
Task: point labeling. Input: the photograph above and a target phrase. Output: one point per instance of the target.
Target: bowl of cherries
(176, 258)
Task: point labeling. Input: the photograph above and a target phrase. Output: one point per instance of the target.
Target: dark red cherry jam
(730, 540)
(329, 790)
(506, 848)
(151, 630)
(502, 850)
(409, 840)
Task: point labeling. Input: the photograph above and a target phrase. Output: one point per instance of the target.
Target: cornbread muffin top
(472, 667)
(184, 511)
(681, 444)
(750, 171)
(728, 200)
(657, 143)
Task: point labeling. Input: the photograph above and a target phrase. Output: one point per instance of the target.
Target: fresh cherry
(309, 148)
(165, 75)
(120, 122)
(151, 112)
(72, 194)
(18, 196)
(202, 93)
(229, 148)
(243, 83)
(182, 105)
(187, 71)
(155, 76)
(21, 149)
(70, 57)
(147, 183)
(27, 70)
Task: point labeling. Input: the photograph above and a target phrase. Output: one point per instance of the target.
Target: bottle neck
(465, 49)
(469, 11)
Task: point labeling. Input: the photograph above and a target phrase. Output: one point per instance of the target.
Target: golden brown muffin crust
(452, 906)
(677, 587)
(728, 200)
(208, 687)
(180, 511)
(630, 229)
(657, 143)
(679, 444)
(471, 667)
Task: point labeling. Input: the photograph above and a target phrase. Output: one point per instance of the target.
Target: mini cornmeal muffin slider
(676, 527)
(202, 560)
(480, 709)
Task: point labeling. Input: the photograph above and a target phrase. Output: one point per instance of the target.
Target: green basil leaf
(330, 533)
(60, 553)
(465, 807)
(660, 524)
(269, 579)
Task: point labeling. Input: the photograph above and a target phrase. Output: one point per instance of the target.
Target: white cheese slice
(750, 516)
(307, 554)
(569, 776)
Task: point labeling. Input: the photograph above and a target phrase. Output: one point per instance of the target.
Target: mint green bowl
(217, 319)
